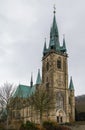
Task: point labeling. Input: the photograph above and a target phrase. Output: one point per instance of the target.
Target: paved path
(78, 127)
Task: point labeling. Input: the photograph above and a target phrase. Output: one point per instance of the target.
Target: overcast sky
(24, 24)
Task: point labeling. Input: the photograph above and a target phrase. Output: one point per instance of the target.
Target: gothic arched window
(47, 66)
(47, 86)
(60, 100)
(59, 63)
(47, 79)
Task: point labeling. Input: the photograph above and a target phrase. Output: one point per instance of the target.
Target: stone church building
(54, 78)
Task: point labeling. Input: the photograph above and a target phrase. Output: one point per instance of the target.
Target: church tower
(55, 75)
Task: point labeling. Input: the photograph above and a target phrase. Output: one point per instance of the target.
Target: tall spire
(71, 86)
(64, 43)
(44, 49)
(54, 44)
(31, 82)
(54, 28)
(38, 81)
(54, 35)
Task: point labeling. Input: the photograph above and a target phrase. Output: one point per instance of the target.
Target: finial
(45, 39)
(54, 9)
(63, 36)
(31, 76)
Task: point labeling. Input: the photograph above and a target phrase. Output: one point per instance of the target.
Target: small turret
(38, 81)
(45, 48)
(64, 44)
(72, 100)
(31, 82)
(71, 86)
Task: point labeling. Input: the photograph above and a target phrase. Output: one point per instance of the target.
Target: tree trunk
(7, 118)
(41, 122)
(7, 123)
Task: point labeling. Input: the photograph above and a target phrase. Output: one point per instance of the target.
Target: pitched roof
(24, 91)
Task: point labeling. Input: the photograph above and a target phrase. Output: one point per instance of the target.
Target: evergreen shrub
(49, 125)
(28, 126)
(2, 126)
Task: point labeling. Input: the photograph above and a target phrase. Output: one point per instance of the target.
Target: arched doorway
(60, 116)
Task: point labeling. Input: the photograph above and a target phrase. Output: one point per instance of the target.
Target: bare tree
(17, 103)
(41, 101)
(6, 92)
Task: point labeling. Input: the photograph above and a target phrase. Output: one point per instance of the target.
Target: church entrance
(60, 116)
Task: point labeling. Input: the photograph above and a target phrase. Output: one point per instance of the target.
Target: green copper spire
(71, 86)
(38, 81)
(54, 35)
(45, 48)
(54, 28)
(31, 82)
(64, 44)
(54, 44)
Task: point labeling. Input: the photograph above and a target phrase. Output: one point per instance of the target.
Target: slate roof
(24, 91)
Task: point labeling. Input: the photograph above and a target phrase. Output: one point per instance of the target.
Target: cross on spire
(54, 9)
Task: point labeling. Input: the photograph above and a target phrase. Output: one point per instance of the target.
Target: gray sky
(24, 24)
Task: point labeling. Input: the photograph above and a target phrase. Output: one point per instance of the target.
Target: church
(54, 78)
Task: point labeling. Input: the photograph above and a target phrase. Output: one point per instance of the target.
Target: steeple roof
(71, 86)
(38, 81)
(54, 28)
(54, 36)
(54, 44)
